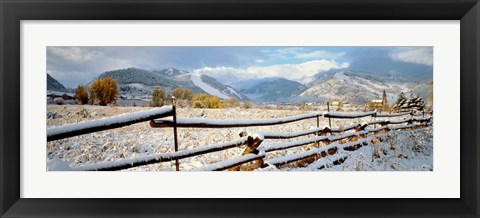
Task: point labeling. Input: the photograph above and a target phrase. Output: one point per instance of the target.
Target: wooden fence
(332, 153)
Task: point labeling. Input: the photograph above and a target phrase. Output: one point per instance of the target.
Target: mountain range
(361, 87)
(135, 82)
(347, 85)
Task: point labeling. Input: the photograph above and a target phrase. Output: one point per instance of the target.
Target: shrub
(305, 107)
(204, 100)
(158, 97)
(231, 102)
(58, 101)
(182, 94)
(200, 101)
(103, 91)
(247, 105)
(214, 102)
(81, 94)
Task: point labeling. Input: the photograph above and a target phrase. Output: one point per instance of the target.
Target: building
(379, 103)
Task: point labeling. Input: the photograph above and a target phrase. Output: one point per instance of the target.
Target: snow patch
(197, 80)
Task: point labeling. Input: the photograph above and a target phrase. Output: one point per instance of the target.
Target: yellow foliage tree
(182, 94)
(158, 97)
(103, 91)
(81, 94)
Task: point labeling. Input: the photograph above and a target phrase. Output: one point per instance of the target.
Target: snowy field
(393, 151)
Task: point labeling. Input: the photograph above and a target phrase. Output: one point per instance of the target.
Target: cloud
(302, 72)
(72, 65)
(319, 55)
(83, 63)
(75, 54)
(284, 53)
(380, 60)
(418, 55)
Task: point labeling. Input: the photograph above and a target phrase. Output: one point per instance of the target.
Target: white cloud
(319, 55)
(302, 72)
(76, 54)
(284, 52)
(420, 55)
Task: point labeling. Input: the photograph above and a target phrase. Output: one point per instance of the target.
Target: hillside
(54, 85)
(275, 90)
(137, 83)
(213, 87)
(361, 87)
(170, 72)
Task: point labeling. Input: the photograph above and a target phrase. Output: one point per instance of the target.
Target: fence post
(252, 145)
(175, 138)
(328, 109)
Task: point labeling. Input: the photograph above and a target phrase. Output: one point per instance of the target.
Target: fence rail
(85, 127)
(253, 149)
(210, 123)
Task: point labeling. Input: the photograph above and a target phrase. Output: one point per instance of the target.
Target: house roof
(377, 101)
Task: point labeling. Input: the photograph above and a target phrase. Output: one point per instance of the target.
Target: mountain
(361, 87)
(243, 85)
(136, 75)
(274, 90)
(170, 72)
(213, 87)
(139, 82)
(54, 85)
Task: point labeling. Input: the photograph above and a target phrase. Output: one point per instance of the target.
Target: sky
(72, 65)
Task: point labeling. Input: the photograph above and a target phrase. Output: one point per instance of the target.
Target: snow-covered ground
(397, 150)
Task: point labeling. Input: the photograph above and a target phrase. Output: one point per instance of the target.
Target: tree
(413, 103)
(400, 98)
(81, 94)
(182, 94)
(103, 91)
(158, 97)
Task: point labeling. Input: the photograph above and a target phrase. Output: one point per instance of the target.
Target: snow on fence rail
(252, 151)
(316, 151)
(158, 158)
(283, 135)
(228, 123)
(392, 115)
(347, 115)
(75, 129)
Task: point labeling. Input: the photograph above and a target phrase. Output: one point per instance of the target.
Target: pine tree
(400, 98)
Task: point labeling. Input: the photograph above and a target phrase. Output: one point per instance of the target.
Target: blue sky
(79, 65)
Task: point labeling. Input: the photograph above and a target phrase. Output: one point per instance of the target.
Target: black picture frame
(13, 11)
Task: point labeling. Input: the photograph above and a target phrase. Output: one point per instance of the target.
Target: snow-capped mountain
(138, 82)
(274, 90)
(347, 85)
(213, 87)
(170, 72)
(361, 87)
